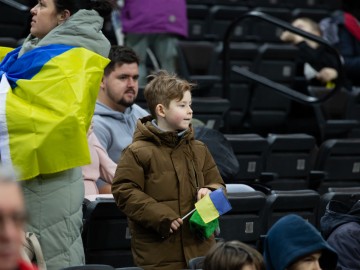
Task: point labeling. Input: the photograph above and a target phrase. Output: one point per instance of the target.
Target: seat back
(290, 157)
(106, 235)
(339, 159)
(244, 221)
(249, 150)
(281, 203)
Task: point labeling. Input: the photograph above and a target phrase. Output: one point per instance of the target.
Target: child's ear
(160, 110)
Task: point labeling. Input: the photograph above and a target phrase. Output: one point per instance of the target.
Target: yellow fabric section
(4, 51)
(206, 209)
(48, 116)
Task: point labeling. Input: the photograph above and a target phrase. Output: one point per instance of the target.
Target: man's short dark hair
(120, 55)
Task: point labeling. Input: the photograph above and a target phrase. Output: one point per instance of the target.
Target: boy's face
(179, 114)
(310, 262)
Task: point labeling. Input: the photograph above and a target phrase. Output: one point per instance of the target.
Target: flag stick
(188, 214)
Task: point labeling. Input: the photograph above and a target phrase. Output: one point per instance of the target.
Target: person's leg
(165, 50)
(54, 203)
(139, 43)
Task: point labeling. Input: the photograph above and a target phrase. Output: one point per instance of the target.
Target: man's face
(12, 219)
(120, 87)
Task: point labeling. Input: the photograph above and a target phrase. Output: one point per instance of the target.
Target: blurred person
(116, 112)
(101, 167)
(50, 84)
(292, 243)
(340, 226)
(320, 66)
(12, 222)
(233, 255)
(155, 24)
(161, 175)
(342, 30)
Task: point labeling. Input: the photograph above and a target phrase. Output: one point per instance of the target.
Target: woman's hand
(202, 192)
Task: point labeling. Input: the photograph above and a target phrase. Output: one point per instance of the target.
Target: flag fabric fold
(47, 99)
(204, 220)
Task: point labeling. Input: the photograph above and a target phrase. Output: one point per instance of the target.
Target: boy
(161, 175)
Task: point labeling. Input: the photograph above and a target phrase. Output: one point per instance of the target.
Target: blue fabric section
(220, 201)
(30, 63)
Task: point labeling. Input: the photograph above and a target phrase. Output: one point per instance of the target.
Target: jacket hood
(338, 213)
(292, 238)
(146, 131)
(103, 110)
(78, 31)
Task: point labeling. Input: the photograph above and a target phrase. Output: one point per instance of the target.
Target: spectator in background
(292, 243)
(101, 167)
(12, 223)
(155, 24)
(340, 226)
(342, 29)
(161, 175)
(233, 255)
(319, 64)
(116, 112)
(54, 77)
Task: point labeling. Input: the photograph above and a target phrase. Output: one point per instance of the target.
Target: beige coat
(156, 181)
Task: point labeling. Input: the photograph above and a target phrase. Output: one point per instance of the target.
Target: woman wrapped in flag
(48, 91)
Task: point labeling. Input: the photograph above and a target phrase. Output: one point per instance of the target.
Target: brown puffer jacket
(156, 181)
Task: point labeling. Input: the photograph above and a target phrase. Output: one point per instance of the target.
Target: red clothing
(23, 265)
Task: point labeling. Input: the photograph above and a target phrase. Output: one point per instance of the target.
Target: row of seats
(211, 22)
(106, 234)
(295, 161)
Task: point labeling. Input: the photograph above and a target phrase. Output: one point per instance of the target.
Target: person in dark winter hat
(340, 225)
(292, 243)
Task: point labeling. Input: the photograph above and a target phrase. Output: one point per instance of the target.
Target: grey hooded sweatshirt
(114, 129)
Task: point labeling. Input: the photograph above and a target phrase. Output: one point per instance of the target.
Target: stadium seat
(288, 161)
(220, 18)
(198, 21)
(268, 110)
(197, 64)
(106, 235)
(210, 110)
(249, 150)
(244, 221)
(339, 160)
(335, 116)
(281, 203)
(196, 263)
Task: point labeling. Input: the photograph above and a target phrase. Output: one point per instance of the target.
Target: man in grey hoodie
(116, 112)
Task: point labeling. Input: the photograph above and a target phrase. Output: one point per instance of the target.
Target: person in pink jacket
(101, 166)
(155, 24)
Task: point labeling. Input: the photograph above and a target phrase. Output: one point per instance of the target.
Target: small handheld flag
(208, 209)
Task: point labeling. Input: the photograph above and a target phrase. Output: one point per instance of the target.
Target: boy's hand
(175, 225)
(202, 192)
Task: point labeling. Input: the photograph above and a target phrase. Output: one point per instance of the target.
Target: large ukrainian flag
(47, 99)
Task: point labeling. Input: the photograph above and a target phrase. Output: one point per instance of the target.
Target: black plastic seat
(289, 160)
(339, 160)
(106, 236)
(281, 203)
(244, 221)
(249, 150)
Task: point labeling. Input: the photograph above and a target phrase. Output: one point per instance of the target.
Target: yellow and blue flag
(204, 221)
(47, 99)
(213, 205)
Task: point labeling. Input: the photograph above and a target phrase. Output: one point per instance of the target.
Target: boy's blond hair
(163, 88)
